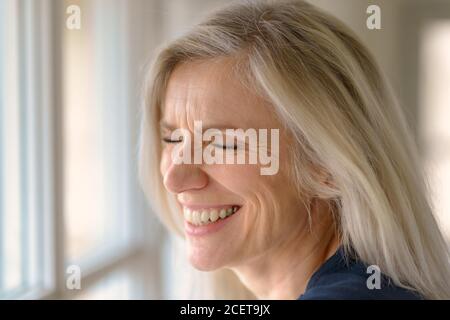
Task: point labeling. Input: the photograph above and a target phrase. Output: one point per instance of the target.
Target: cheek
(271, 201)
(256, 192)
(165, 161)
(237, 179)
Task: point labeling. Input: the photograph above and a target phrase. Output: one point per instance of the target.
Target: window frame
(49, 18)
(110, 262)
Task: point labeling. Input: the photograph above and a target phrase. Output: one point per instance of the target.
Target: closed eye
(168, 140)
(233, 146)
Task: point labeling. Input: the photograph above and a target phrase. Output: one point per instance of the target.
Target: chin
(204, 264)
(204, 260)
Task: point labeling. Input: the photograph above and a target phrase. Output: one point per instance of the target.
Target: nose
(183, 177)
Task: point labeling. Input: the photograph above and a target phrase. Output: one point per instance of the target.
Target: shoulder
(346, 280)
(349, 286)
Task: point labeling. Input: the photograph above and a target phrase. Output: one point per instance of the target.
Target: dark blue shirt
(342, 279)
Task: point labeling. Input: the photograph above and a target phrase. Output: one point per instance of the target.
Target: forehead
(210, 91)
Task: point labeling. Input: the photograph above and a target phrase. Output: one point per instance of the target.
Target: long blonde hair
(329, 92)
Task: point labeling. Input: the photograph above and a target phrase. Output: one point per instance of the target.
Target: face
(232, 214)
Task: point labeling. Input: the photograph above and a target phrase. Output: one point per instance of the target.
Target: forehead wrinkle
(210, 92)
(192, 108)
(199, 103)
(184, 108)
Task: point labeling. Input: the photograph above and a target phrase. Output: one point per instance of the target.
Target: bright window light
(435, 114)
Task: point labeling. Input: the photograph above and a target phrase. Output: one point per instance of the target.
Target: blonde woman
(344, 216)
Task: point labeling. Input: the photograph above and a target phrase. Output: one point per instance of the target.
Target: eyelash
(225, 147)
(168, 140)
(234, 147)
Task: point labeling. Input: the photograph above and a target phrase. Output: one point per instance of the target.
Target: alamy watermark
(73, 21)
(73, 280)
(229, 146)
(374, 280)
(373, 22)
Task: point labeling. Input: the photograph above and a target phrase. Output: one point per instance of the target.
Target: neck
(284, 272)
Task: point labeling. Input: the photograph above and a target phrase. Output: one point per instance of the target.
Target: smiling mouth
(204, 216)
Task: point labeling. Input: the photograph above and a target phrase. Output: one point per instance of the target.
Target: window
(435, 112)
(68, 188)
(97, 151)
(25, 240)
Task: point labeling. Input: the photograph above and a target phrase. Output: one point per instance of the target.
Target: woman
(345, 216)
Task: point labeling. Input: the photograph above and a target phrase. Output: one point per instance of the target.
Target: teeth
(214, 215)
(205, 216)
(187, 214)
(223, 214)
(196, 217)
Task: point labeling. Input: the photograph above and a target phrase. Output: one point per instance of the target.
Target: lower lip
(193, 230)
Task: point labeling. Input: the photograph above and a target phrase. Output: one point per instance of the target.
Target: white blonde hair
(329, 92)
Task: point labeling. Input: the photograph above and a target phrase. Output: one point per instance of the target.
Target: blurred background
(69, 120)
